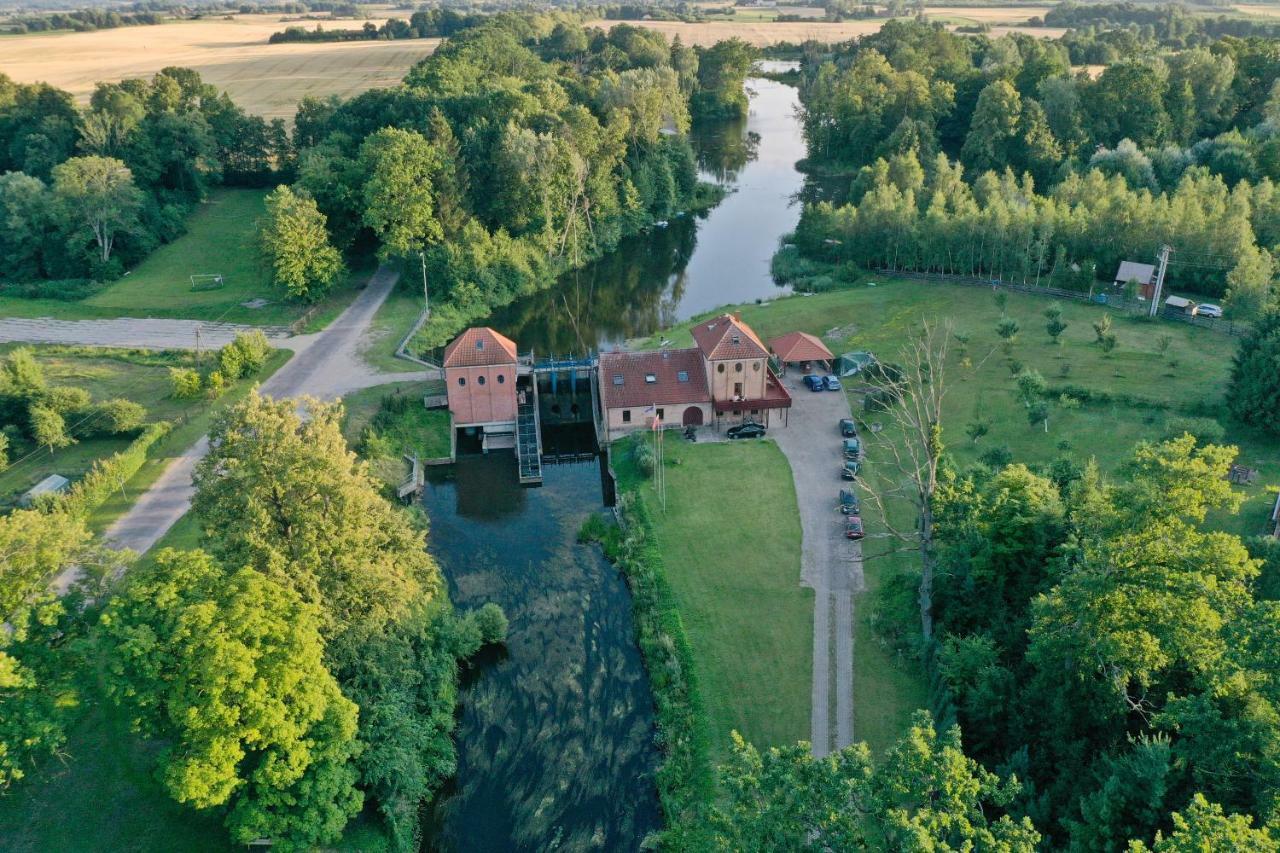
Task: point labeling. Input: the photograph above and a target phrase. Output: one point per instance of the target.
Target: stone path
(131, 332)
(830, 564)
(326, 364)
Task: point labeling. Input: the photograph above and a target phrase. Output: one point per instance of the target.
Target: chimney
(737, 315)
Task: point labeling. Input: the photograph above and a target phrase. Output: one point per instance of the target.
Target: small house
(1143, 274)
(668, 386)
(1178, 305)
(54, 484)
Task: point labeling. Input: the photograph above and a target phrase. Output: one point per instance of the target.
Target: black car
(847, 428)
(848, 502)
(747, 430)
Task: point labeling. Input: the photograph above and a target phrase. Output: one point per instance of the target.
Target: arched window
(480, 379)
(462, 380)
(755, 365)
(502, 378)
(719, 368)
(737, 368)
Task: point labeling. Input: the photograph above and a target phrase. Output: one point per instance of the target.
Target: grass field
(220, 239)
(266, 79)
(1192, 371)
(416, 429)
(730, 540)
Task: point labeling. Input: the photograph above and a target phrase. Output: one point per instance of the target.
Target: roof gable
(479, 346)
(728, 337)
(800, 346)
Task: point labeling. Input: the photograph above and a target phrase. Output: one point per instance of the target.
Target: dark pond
(694, 264)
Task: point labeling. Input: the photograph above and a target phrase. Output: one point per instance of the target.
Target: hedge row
(686, 783)
(104, 478)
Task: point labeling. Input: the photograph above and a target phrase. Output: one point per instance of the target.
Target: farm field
(220, 240)
(737, 585)
(266, 79)
(761, 32)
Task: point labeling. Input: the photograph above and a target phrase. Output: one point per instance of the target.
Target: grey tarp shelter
(850, 363)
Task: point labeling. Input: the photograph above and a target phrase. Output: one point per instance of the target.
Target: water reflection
(672, 273)
(555, 739)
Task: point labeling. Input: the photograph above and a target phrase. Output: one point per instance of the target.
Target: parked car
(853, 527)
(814, 383)
(849, 470)
(749, 429)
(832, 382)
(848, 502)
(852, 448)
(848, 428)
(1208, 309)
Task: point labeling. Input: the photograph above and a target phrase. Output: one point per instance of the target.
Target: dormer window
(736, 339)
(650, 378)
(480, 343)
(682, 376)
(617, 379)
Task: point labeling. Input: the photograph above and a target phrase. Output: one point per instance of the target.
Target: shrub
(105, 477)
(4, 451)
(996, 458)
(643, 455)
(185, 382)
(117, 416)
(491, 622)
(1205, 430)
(215, 383)
(65, 399)
(254, 350)
(231, 362)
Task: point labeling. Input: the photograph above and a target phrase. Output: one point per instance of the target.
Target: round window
(719, 368)
(462, 380)
(502, 378)
(755, 365)
(738, 367)
(480, 379)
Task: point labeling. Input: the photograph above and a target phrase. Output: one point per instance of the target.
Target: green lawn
(392, 322)
(415, 429)
(730, 540)
(220, 239)
(1192, 371)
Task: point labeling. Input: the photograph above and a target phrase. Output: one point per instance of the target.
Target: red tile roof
(728, 337)
(480, 346)
(800, 346)
(775, 397)
(622, 378)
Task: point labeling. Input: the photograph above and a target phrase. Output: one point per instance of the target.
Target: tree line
(965, 130)
(425, 23)
(523, 146)
(87, 193)
(299, 664)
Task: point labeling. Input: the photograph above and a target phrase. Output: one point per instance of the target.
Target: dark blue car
(815, 383)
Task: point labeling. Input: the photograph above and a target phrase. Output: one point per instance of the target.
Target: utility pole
(197, 346)
(1156, 295)
(426, 298)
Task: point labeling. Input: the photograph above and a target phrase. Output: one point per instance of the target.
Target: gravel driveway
(830, 564)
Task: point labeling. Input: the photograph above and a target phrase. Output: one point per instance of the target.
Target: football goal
(207, 281)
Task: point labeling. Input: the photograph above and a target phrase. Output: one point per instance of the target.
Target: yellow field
(761, 33)
(267, 79)
(1268, 11)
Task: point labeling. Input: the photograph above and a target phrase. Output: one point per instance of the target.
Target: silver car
(1208, 309)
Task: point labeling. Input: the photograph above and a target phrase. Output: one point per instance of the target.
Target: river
(693, 264)
(556, 734)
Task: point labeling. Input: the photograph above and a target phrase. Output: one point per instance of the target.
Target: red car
(853, 527)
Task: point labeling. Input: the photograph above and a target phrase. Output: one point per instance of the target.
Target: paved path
(130, 332)
(830, 564)
(326, 365)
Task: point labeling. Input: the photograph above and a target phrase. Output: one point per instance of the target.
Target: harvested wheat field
(1265, 10)
(762, 33)
(266, 79)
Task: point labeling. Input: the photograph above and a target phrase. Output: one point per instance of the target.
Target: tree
(1102, 328)
(994, 129)
(296, 246)
(912, 397)
(924, 795)
(228, 667)
(99, 193)
(38, 644)
(48, 428)
(722, 70)
(1055, 325)
(1203, 826)
(399, 199)
(1253, 393)
(26, 216)
(284, 495)
(1007, 329)
(1250, 283)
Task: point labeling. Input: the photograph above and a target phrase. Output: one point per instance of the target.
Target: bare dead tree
(911, 443)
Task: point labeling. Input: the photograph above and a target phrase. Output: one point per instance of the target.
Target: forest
(996, 157)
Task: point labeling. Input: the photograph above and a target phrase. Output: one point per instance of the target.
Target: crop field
(760, 32)
(232, 54)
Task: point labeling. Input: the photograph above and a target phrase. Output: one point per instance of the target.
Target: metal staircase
(529, 436)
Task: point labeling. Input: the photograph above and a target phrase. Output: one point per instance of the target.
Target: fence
(1114, 301)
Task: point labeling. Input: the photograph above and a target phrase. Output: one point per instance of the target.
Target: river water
(694, 264)
(556, 734)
